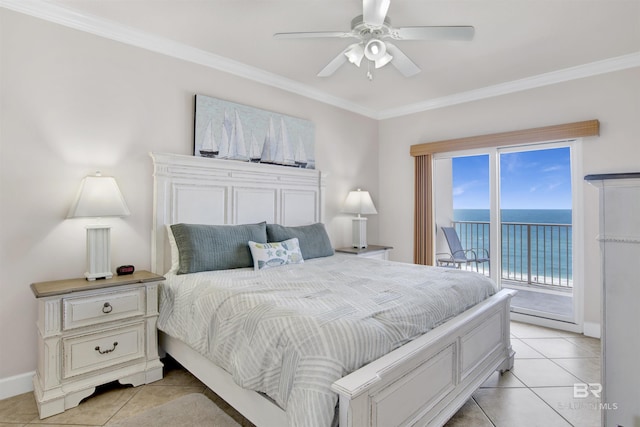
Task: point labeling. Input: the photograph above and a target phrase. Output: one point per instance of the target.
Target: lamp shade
(98, 196)
(355, 53)
(359, 202)
(375, 49)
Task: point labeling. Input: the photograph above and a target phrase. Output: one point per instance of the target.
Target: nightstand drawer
(86, 353)
(105, 307)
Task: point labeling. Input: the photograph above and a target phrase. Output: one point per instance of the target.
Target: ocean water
(536, 243)
(534, 216)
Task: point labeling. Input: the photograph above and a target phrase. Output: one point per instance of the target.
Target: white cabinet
(94, 332)
(620, 247)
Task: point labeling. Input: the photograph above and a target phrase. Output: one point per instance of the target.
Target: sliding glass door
(515, 207)
(536, 204)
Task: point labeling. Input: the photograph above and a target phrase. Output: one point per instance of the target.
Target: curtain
(423, 218)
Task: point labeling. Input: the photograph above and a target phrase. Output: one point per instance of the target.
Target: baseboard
(547, 323)
(18, 384)
(592, 329)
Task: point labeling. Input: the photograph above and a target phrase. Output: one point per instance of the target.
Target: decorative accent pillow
(267, 255)
(215, 247)
(314, 240)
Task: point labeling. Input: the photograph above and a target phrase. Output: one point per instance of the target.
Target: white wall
(72, 103)
(614, 99)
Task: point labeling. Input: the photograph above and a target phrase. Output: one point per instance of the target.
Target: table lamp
(359, 202)
(98, 197)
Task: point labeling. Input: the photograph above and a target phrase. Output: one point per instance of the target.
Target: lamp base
(98, 252)
(359, 230)
(91, 277)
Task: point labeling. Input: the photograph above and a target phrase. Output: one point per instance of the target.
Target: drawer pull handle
(109, 350)
(107, 308)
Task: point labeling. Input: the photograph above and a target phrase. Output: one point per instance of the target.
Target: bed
(418, 378)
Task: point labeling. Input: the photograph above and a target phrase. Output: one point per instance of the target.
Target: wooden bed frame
(424, 382)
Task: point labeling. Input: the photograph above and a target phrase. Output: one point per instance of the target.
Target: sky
(539, 179)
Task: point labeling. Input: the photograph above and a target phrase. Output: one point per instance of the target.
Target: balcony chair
(458, 255)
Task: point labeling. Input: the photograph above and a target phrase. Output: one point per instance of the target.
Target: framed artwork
(226, 130)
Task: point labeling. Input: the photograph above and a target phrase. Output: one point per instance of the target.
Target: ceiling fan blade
(311, 35)
(433, 33)
(374, 11)
(402, 61)
(334, 64)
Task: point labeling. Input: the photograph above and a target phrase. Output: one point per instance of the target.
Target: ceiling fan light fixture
(355, 53)
(375, 50)
(383, 61)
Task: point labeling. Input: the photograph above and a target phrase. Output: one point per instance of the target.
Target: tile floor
(537, 392)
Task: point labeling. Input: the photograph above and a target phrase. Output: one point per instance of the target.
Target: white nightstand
(92, 333)
(371, 251)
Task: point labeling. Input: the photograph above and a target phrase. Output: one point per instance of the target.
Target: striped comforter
(291, 331)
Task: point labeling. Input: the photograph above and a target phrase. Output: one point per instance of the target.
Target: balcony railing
(532, 254)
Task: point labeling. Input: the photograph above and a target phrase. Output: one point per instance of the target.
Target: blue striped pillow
(215, 247)
(314, 240)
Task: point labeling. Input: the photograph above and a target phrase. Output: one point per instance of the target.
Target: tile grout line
(485, 414)
(566, 370)
(123, 405)
(552, 408)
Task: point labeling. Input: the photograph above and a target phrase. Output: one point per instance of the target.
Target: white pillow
(175, 254)
(267, 255)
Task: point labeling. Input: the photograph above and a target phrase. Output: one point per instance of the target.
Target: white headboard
(200, 190)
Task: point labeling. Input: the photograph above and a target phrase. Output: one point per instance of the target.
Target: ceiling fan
(372, 30)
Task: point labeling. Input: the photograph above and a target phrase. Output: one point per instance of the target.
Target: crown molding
(609, 65)
(73, 18)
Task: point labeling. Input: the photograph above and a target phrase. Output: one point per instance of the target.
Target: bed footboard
(426, 381)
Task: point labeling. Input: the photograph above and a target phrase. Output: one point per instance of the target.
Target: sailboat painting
(226, 130)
